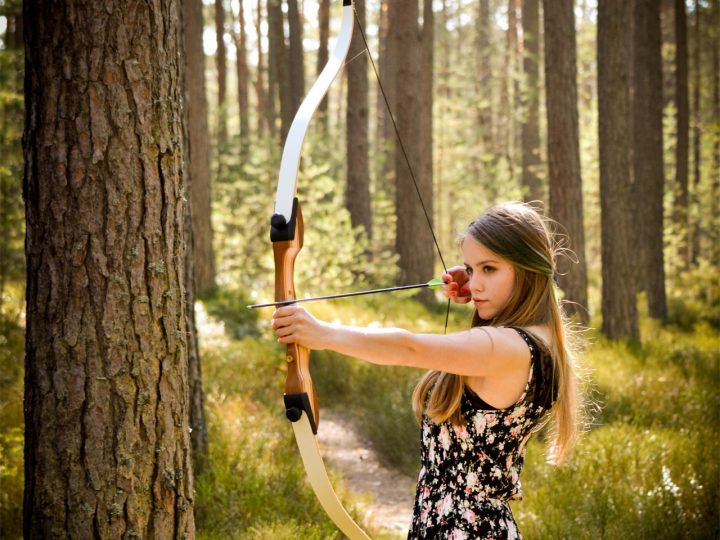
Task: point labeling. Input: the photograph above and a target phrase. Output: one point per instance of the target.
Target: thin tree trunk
(510, 88)
(649, 178)
(427, 77)
(107, 443)
(683, 127)
(297, 70)
(715, 190)
(413, 240)
(619, 309)
(323, 55)
(385, 137)
(266, 114)
(221, 65)
(565, 182)
(531, 163)
(485, 161)
(694, 200)
(357, 189)
(198, 230)
(243, 77)
(278, 64)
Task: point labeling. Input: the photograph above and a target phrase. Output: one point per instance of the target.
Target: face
(492, 278)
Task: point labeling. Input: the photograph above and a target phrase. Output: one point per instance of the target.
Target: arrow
(434, 283)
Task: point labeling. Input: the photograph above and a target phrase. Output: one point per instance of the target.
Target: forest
(141, 147)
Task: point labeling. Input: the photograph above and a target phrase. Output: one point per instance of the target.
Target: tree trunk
(427, 77)
(694, 201)
(385, 138)
(649, 178)
(199, 150)
(683, 127)
(266, 114)
(243, 84)
(278, 65)
(221, 64)
(323, 55)
(510, 88)
(357, 190)
(530, 136)
(413, 239)
(198, 230)
(620, 320)
(565, 182)
(297, 71)
(107, 443)
(485, 157)
(715, 190)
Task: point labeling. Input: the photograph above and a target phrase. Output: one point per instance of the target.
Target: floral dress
(470, 472)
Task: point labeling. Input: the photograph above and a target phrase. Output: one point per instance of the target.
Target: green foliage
(694, 298)
(230, 307)
(11, 427)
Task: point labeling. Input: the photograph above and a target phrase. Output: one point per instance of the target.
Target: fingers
(455, 286)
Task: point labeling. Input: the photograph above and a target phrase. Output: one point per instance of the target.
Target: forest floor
(388, 505)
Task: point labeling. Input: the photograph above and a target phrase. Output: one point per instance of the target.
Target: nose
(475, 282)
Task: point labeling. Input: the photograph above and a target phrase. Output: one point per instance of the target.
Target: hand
(456, 288)
(294, 324)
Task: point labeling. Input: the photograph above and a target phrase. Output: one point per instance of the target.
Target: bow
(286, 233)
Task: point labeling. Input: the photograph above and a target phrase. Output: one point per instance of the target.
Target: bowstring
(404, 153)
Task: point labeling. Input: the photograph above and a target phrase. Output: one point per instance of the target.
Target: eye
(488, 269)
(468, 271)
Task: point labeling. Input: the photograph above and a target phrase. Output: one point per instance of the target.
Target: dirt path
(391, 494)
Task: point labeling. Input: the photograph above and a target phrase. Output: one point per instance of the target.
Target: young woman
(490, 387)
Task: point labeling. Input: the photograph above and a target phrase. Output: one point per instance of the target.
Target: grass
(647, 468)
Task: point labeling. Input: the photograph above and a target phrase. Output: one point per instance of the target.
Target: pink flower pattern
(470, 472)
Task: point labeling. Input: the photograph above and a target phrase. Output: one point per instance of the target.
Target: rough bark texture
(413, 241)
(565, 182)
(197, 193)
(297, 71)
(682, 147)
(620, 320)
(243, 83)
(530, 132)
(357, 191)
(107, 443)
(199, 149)
(278, 66)
(649, 181)
(221, 65)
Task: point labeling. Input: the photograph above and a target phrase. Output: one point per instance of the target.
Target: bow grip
(287, 238)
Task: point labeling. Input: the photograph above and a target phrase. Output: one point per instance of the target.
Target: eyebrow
(480, 263)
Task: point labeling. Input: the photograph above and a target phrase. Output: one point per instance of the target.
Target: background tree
(221, 65)
(619, 310)
(682, 148)
(357, 189)
(322, 58)
(296, 63)
(107, 444)
(530, 134)
(413, 241)
(199, 267)
(649, 179)
(278, 67)
(243, 82)
(565, 182)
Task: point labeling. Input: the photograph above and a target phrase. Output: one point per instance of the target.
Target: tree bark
(297, 70)
(565, 182)
(427, 78)
(694, 200)
(107, 443)
(197, 218)
(619, 310)
(221, 64)
(649, 178)
(530, 131)
(357, 189)
(682, 147)
(413, 239)
(266, 114)
(511, 87)
(485, 157)
(278, 65)
(243, 77)
(715, 189)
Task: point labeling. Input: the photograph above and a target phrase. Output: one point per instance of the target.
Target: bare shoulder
(506, 347)
(542, 333)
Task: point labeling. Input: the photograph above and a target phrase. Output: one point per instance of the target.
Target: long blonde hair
(518, 233)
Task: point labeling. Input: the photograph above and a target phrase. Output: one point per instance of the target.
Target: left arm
(477, 352)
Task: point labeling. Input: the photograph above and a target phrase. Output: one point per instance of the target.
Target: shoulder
(507, 348)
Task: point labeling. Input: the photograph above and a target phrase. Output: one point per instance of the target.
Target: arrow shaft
(341, 295)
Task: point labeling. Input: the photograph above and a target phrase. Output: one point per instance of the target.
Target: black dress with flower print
(470, 472)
